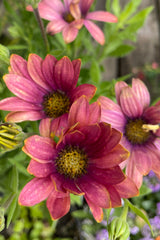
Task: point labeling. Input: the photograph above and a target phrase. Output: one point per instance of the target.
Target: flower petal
(127, 188)
(58, 204)
(19, 66)
(85, 89)
(142, 159)
(152, 114)
(56, 26)
(141, 92)
(40, 170)
(112, 159)
(74, 138)
(17, 104)
(118, 88)
(35, 191)
(71, 187)
(77, 67)
(85, 6)
(69, 34)
(40, 148)
(64, 74)
(155, 156)
(108, 104)
(48, 70)
(96, 210)
(24, 116)
(58, 124)
(23, 88)
(45, 127)
(102, 16)
(114, 195)
(35, 71)
(130, 104)
(75, 10)
(95, 112)
(91, 189)
(95, 31)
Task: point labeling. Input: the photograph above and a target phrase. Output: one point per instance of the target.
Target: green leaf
(76, 199)
(144, 190)
(4, 54)
(138, 212)
(17, 47)
(11, 210)
(140, 16)
(14, 179)
(129, 9)
(122, 51)
(116, 7)
(95, 72)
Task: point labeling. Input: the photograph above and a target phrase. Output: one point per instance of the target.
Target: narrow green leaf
(129, 9)
(95, 72)
(17, 47)
(116, 7)
(140, 16)
(14, 179)
(138, 212)
(4, 54)
(11, 210)
(122, 51)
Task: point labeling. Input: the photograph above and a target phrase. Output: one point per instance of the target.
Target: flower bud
(11, 137)
(2, 219)
(118, 229)
(33, 3)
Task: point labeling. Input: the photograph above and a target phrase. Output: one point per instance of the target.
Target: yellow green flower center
(56, 104)
(135, 133)
(72, 162)
(68, 17)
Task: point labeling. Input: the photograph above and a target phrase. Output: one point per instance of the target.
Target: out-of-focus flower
(85, 161)
(155, 227)
(69, 17)
(139, 124)
(43, 88)
(152, 181)
(155, 65)
(102, 235)
(158, 209)
(11, 137)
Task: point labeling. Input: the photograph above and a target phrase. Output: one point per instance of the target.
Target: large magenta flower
(83, 162)
(138, 123)
(43, 88)
(71, 16)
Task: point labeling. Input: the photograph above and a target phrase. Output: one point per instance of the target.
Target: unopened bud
(33, 3)
(118, 229)
(2, 219)
(11, 137)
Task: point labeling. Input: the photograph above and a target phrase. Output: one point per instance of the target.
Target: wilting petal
(56, 26)
(130, 104)
(40, 147)
(45, 127)
(64, 74)
(114, 196)
(85, 6)
(95, 31)
(35, 191)
(40, 170)
(17, 104)
(101, 16)
(109, 176)
(85, 89)
(24, 116)
(23, 88)
(141, 92)
(127, 188)
(142, 159)
(35, 71)
(79, 112)
(19, 66)
(96, 210)
(118, 88)
(112, 159)
(58, 204)
(48, 69)
(69, 34)
(90, 187)
(133, 173)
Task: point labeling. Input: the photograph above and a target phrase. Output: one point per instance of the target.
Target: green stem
(40, 23)
(124, 211)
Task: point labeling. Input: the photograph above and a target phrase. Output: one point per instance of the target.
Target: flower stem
(40, 23)
(124, 211)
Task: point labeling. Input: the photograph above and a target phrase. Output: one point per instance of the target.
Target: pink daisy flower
(43, 88)
(83, 162)
(138, 122)
(70, 16)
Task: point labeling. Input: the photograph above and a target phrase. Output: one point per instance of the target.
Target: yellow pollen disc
(135, 133)
(56, 104)
(150, 127)
(68, 17)
(72, 162)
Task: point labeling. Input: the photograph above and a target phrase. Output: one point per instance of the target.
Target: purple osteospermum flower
(85, 161)
(132, 115)
(43, 88)
(71, 16)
